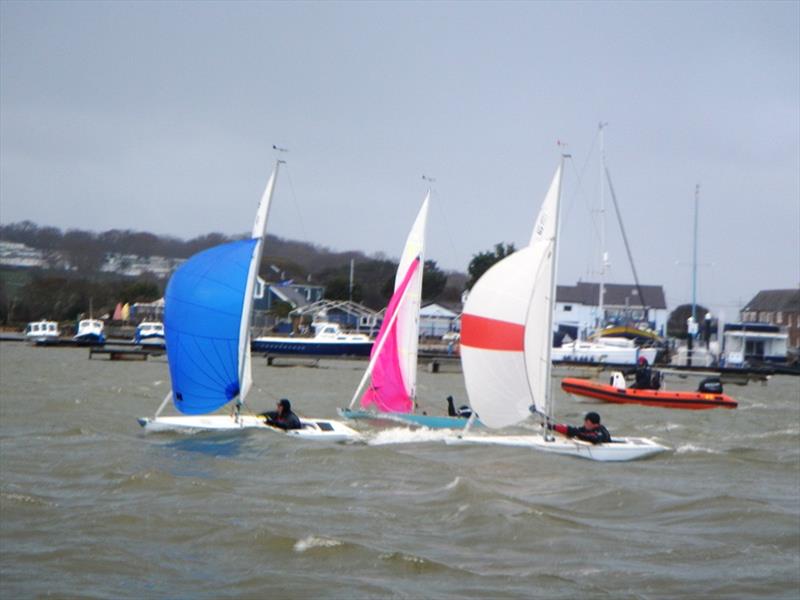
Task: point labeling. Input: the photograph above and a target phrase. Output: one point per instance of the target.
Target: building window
(567, 307)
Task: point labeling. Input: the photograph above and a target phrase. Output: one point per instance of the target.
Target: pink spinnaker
(388, 392)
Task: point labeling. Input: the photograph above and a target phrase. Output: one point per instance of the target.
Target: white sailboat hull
(313, 429)
(621, 449)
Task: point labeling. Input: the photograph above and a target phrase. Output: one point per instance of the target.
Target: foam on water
(402, 435)
(311, 542)
(688, 448)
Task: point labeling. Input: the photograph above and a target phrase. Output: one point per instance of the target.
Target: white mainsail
(259, 230)
(408, 315)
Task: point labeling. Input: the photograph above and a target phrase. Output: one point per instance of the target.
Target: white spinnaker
(506, 361)
(259, 230)
(496, 379)
(408, 317)
(539, 320)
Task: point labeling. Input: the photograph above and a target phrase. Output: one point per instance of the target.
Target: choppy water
(92, 507)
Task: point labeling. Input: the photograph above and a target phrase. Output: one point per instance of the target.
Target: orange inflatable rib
(662, 398)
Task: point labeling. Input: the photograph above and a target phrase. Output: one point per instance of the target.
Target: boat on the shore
(90, 333)
(329, 340)
(149, 333)
(42, 332)
(708, 396)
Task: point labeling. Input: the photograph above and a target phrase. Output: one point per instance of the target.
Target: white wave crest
(307, 543)
(453, 483)
(402, 435)
(686, 448)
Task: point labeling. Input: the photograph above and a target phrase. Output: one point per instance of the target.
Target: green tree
(339, 289)
(281, 308)
(434, 281)
(676, 324)
(483, 261)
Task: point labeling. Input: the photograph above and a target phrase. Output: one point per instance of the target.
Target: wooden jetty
(125, 353)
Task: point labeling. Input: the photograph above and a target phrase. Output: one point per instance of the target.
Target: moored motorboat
(42, 332)
(149, 333)
(329, 340)
(699, 400)
(90, 333)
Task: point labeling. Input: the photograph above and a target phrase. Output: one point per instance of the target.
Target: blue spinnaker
(202, 317)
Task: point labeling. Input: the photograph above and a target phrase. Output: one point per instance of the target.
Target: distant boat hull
(660, 398)
(429, 421)
(310, 347)
(89, 339)
(313, 429)
(591, 352)
(621, 449)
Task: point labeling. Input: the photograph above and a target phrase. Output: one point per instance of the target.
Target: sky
(162, 117)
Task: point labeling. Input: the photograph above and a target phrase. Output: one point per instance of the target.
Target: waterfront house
(776, 307)
(578, 314)
(435, 320)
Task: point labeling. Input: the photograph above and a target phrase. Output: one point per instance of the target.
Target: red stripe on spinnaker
(491, 334)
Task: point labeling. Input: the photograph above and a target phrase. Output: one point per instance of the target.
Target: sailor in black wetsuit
(283, 418)
(462, 411)
(592, 431)
(643, 375)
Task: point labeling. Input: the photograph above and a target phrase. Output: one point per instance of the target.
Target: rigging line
(296, 205)
(443, 213)
(579, 178)
(625, 239)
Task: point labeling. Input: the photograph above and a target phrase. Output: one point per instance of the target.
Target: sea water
(91, 506)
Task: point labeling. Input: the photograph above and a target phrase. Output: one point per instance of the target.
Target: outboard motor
(617, 380)
(710, 385)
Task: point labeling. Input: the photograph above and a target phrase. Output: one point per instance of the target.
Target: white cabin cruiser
(90, 332)
(606, 350)
(42, 332)
(149, 333)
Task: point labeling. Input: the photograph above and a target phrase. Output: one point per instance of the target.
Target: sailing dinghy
(392, 369)
(207, 313)
(506, 339)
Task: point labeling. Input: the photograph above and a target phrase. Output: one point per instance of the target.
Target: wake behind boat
(506, 344)
(207, 314)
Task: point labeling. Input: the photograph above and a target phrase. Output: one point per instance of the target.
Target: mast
(694, 254)
(551, 308)
(603, 250)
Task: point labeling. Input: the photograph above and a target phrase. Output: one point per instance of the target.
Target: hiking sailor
(592, 431)
(283, 418)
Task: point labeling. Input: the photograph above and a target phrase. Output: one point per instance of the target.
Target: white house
(577, 310)
(435, 320)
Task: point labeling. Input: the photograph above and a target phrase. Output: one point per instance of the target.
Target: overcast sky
(162, 117)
